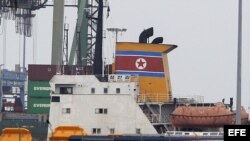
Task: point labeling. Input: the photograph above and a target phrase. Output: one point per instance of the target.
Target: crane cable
(35, 38)
(19, 50)
(4, 42)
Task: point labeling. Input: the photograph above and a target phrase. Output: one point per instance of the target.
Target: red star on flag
(140, 63)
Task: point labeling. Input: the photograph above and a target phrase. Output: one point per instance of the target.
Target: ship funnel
(143, 38)
(157, 40)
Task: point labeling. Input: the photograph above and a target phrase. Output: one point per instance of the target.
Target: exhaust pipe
(143, 38)
(157, 40)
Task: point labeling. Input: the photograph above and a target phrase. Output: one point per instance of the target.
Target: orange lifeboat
(212, 116)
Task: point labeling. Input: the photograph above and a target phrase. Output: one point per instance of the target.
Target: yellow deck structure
(15, 134)
(62, 133)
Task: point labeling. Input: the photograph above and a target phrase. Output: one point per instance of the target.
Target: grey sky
(204, 30)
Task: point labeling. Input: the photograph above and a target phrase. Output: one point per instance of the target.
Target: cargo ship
(134, 99)
(131, 101)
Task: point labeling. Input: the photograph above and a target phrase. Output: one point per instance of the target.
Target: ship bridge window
(96, 131)
(101, 111)
(138, 131)
(66, 110)
(105, 111)
(98, 111)
(118, 90)
(66, 90)
(105, 90)
(112, 130)
(55, 99)
(92, 90)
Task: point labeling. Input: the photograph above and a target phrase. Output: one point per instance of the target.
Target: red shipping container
(42, 72)
(46, 72)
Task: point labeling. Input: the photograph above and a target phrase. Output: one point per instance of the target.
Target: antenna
(116, 30)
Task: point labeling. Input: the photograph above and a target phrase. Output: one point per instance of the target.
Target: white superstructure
(100, 106)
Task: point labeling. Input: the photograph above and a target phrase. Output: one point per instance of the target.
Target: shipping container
(38, 105)
(41, 72)
(39, 89)
(46, 72)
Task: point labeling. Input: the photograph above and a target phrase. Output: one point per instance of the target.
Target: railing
(183, 133)
(152, 98)
(158, 98)
(189, 98)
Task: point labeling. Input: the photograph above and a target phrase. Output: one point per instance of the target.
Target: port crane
(87, 41)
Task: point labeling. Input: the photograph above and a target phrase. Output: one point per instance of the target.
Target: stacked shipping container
(38, 97)
(39, 88)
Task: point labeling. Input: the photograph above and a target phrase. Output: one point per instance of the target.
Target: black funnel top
(157, 40)
(145, 35)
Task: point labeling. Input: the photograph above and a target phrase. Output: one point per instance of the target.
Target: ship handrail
(190, 133)
(147, 98)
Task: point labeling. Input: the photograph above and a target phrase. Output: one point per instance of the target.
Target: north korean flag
(139, 63)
